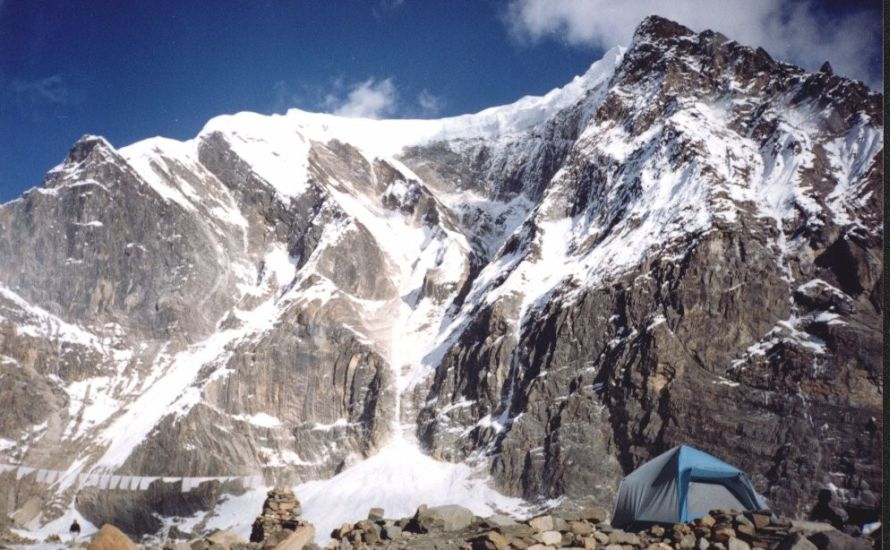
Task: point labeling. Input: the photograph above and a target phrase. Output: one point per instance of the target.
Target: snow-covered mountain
(684, 244)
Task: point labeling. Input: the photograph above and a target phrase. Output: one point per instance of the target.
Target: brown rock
(760, 520)
(722, 533)
(542, 523)
(736, 544)
(498, 540)
(580, 527)
(342, 531)
(110, 537)
(593, 514)
(687, 541)
(657, 531)
(621, 537)
(551, 538)
(707, 521)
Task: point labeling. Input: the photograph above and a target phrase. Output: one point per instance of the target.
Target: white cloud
(430, 105)
(793, 31)
(368, 99)
(52, 89)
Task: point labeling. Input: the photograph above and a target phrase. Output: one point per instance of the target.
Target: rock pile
(375, 531)
(456, 527)
(279, 519)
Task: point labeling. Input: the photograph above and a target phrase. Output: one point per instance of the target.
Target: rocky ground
(280, 527)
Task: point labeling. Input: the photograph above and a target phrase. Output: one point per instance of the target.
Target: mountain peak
(85, 146)
(655, 28)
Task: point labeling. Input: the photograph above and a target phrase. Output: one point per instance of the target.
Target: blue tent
(680, 485)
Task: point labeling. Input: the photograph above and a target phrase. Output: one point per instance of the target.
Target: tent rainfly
(681, 485)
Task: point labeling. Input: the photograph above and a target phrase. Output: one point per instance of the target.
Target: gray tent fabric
(680, 485)
(706, 496)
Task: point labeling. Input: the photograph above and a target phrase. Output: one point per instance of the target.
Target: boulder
(450, 517)
(298, 539)
(375, 514)
(110, 537)
(542, 523)
(552, 538)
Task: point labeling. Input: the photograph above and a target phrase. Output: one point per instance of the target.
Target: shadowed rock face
(689, 252)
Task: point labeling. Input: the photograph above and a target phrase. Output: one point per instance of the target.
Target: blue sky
(131, 70)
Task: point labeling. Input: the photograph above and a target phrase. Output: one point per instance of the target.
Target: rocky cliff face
(683, 245)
